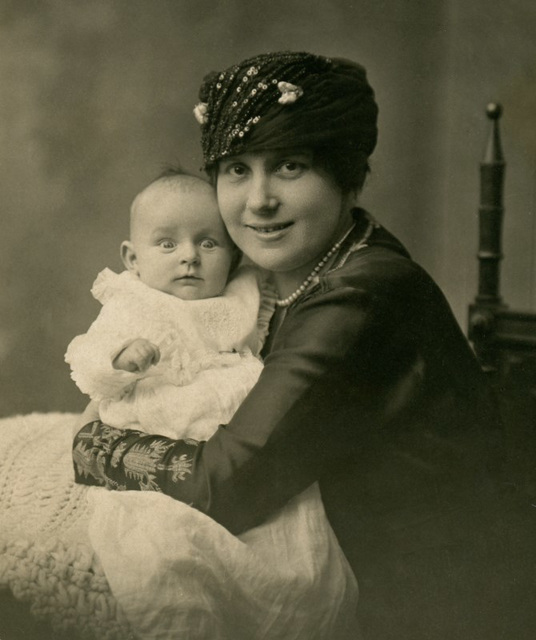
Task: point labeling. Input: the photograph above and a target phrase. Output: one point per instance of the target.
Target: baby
(174, 347)
(174, 352)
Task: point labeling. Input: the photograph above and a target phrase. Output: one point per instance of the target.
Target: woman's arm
(323, 388)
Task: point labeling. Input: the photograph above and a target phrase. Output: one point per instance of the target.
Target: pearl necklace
(305, 284)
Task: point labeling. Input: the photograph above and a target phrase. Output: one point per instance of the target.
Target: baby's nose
(188, 253)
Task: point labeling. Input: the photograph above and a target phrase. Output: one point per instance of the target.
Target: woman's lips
(266, 228)
(269, 232)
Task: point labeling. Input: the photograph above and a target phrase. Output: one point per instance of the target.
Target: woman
(369, 386)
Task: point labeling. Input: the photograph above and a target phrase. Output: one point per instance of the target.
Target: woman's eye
(234, 170)
(291, 168)
(207, 243)
(167, 244)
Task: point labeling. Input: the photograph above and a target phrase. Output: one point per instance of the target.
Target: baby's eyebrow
(160, 233)
(161, 230)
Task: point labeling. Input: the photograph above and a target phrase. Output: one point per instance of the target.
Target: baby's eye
(207, 243)
(167, 244)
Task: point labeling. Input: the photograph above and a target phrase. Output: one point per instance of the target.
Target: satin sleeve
(327, 383)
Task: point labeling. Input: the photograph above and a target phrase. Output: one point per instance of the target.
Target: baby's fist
(137, 356)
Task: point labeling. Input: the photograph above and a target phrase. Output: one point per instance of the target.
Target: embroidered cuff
(126, 459)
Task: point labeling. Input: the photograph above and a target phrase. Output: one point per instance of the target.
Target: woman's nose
(261, 199)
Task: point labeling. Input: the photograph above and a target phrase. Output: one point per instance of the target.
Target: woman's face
(281, 210)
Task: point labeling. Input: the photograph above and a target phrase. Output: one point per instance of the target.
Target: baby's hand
(137, 356)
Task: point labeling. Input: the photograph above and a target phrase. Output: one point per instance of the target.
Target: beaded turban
(287, 99)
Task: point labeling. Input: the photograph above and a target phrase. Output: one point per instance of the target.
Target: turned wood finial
(494, 152)
(494, 110)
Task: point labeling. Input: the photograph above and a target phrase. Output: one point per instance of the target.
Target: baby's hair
(173, 171)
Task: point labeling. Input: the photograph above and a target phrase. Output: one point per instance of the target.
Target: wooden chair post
(491, 214)
(482, 313)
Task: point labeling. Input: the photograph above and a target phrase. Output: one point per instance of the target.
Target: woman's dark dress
(370, 387)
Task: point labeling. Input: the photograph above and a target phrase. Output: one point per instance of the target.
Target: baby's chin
(191, 291)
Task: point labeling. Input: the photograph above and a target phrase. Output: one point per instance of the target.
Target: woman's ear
(351, 199)
(128, 256)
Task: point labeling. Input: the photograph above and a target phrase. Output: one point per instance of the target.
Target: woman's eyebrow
(231, 159)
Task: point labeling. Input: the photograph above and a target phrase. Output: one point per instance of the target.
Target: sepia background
(97, 95)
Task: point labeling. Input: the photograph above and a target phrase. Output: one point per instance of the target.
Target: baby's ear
(128, 256)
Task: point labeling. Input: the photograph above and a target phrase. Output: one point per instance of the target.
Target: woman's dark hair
(348, 168)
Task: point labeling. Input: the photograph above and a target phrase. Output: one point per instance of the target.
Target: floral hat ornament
(289, 92)
(200, 112)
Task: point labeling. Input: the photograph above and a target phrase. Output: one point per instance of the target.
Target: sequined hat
(286, 99)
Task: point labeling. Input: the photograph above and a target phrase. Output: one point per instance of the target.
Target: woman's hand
(91, 413)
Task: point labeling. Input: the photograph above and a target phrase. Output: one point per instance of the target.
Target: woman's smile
(270, 232)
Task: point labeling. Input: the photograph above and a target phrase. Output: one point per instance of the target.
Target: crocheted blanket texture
(45, 555)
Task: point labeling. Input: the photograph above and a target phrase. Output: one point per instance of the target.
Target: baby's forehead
(177, 200)
(180, 189)
(182, 186)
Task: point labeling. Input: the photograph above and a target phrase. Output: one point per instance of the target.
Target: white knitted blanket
(45, 555)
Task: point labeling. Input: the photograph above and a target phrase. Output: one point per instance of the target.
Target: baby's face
(179, 240)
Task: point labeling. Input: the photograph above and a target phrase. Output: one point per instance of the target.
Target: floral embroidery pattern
(90, 452)
(142, 461)
(87, 463)
(116, 455)
(180, 466)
